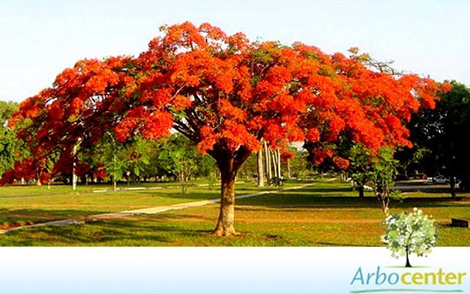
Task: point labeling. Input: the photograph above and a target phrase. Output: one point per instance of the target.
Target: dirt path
(151, 210)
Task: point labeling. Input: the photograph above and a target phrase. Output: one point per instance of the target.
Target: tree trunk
(288, 169)
(74, 165)
(227, 205)
(183, 182)
(361, 191)
(274, 163)
(279, 170)
(229, 163)
(452, 187)
(382, 193)
(260, 169)
(407, 258)
(268, 162)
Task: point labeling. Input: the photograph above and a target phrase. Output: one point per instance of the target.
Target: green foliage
(300, 166)
(180, 158)
(369, 168)
(276, 181)
(443, 134)
(7, 109)
(361, 166)
(249, 168)
(383, 169)
(410, 160)
(375, 169)
(408, 233)
(206, 166)
(142, 158)
(212, 179)
(137, 157)
(397, 195)
(9, 144)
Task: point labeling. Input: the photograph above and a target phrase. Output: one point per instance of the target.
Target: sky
(38, 39)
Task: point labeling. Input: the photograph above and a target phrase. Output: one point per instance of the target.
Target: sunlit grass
(327, 213)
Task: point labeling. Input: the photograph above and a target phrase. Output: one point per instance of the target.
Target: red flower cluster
(225, 94)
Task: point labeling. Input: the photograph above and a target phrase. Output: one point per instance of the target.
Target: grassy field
(327, 213)
(21, 205)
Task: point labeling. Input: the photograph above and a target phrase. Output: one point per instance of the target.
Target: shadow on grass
(115, 232)
(329, 190)
(91, 234)
(342, 244)
(170, 217)
(441, 225)
(319, 195)
(41, 215)
(316, 199)
(190, 196)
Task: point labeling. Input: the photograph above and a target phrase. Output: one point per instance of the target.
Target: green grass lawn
(21, 205)
(327, 213)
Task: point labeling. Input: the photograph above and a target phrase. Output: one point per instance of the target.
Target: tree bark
(74, 178)
(452, 186)
(228, 162)
(382, 193)
(279, 170)
(260, 169)
(361, 191)
(268, 162)
(225, 224)
(274, 163)
(74, 164)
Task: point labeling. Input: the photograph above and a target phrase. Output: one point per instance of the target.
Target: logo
(407, 280)
(406, 234)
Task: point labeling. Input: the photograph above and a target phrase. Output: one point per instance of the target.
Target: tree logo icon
(408, 233)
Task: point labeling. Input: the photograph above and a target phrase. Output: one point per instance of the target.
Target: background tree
(442, 135)
(225, 94)
(138, 156)
(361, 168)
(205, 165)
(411, 160)
(300, 164)
(383, 174)
(8, 141)
(408, 233)
(8, 149)
(249, 168)
(7, 110)
(375, 169)
(180, 158)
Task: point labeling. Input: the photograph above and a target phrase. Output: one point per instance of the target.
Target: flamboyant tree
(225, 94)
